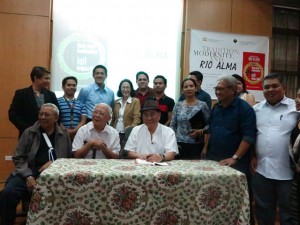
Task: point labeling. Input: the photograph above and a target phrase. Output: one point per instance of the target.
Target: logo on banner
(253, 70)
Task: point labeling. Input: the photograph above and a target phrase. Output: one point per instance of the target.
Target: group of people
(255, 140)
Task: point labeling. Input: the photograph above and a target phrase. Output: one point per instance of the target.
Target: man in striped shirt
(72, 111)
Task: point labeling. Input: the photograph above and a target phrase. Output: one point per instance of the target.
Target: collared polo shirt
(92, 95)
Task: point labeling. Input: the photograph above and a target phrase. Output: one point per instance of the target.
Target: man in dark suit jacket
(23, 111)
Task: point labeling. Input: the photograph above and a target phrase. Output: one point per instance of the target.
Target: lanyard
(71, 107)
(51, 151)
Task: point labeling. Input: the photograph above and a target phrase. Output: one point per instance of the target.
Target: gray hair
(229, 79)
(55, 108)
(106, 105)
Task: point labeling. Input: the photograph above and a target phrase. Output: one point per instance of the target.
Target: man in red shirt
(143, 91)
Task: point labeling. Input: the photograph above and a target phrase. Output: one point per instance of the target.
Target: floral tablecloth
(115, 192)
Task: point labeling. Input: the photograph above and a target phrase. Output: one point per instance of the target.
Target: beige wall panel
(25, 40)
(24, 44)
(211, 15)
(252, 17)
(7, 149)
(31, 7)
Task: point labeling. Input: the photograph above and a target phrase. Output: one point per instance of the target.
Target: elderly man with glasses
(97, 139)
(232, 129)
(38, 146)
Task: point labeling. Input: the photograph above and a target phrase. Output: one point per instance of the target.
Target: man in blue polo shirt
(72, 111)
(97, 92)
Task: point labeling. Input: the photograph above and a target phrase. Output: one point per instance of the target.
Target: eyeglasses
(98, 113)
(221, 89)
(46, 115)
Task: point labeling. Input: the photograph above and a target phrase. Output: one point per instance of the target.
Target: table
(112, 192)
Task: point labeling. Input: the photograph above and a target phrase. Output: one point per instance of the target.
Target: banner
(215, 54)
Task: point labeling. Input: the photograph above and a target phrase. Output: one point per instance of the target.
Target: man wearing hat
(152, 141)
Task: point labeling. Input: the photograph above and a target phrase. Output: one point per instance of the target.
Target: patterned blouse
(180, 120)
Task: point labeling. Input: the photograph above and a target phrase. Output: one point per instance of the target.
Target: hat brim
(150, 108)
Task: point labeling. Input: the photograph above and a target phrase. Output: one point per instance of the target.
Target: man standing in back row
(143, 91)
(72, 111)
(97, 92)
(25, 106)
(165, 103)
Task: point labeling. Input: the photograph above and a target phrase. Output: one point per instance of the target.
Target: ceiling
(287, 3)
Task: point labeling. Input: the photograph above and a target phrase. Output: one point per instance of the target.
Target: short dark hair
(132, 92)
(277, 76)
(100, 67)
(38, 72)
(141, 73)
(197, 74)
(240, 79)
(161, 77)
(186, 79)
(64, 81)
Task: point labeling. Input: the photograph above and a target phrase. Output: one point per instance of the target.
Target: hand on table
(45, 166)
(228, 162)
(154, 158)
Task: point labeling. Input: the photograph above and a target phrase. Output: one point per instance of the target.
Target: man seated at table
(96, 139)
(38, 146)
(151, 141)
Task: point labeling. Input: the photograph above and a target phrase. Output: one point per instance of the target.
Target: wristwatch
(163, 158)
(235, 157)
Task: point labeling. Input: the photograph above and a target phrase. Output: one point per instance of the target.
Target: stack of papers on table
(144, 162)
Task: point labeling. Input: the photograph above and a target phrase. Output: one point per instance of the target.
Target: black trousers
(189, 151)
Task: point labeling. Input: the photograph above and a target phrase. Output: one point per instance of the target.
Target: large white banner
(122, 35)
(215, 54)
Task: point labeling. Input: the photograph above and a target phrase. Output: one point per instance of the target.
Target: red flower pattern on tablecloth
(77, 218)
(211, 197)
(171, 181)
(167, 217)
(116, 192)
(78, 179)
(125, 198)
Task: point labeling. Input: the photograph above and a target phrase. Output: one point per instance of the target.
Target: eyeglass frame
(222, 89)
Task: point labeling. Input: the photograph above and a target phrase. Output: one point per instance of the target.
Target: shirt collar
(283, 101)
(91, 127)
(234, 102)
(96, 87)
(129, 100)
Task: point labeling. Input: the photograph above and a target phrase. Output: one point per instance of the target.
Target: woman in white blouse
(127, 109)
